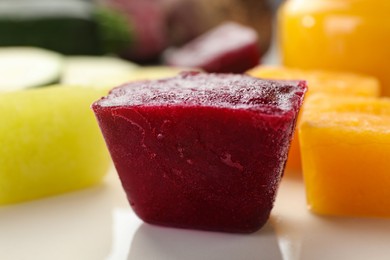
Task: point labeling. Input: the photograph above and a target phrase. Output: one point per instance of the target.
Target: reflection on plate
(153, 242)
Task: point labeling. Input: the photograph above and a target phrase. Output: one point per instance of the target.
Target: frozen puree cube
(345, 144)
(319, 81)
(323, 81)
(229, 47)
(202, 151)
(50, 143)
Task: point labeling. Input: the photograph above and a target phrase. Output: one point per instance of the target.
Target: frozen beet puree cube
(229, 47)
(201, 151)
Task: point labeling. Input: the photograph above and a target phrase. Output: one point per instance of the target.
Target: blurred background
(137, 30)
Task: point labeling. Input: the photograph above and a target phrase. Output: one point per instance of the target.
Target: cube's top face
(328, 82)
(353, 113)
(194, 89)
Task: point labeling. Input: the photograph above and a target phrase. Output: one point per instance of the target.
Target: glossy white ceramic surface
(97, 223)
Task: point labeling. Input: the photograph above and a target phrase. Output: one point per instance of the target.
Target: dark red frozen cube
(201, 151)
(229, 47)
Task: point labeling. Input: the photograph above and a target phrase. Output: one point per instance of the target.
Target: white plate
(98, 224)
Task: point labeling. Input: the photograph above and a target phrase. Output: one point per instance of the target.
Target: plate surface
(97, 223)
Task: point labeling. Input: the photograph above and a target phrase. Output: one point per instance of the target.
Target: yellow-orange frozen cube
(321, 81)
(345, 145)
(333, 83)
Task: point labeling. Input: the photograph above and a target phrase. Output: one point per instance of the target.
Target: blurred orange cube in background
(333, 83)
(340, 35)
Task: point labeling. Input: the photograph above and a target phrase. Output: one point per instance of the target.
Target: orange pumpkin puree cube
(328, 82)
(345, 145)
